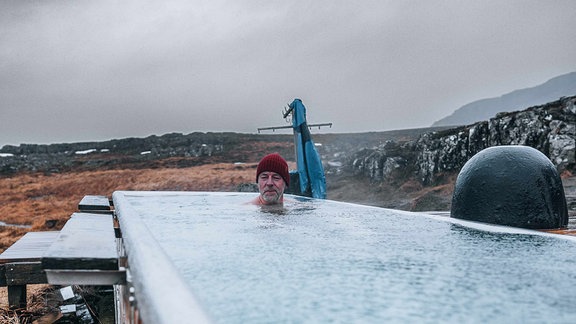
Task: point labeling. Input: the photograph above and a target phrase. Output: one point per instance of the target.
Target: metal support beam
(286, 127)
(87, 277)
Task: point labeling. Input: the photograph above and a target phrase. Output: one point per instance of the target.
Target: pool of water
(324, 261)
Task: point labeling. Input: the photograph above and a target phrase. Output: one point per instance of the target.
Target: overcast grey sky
(88, 70)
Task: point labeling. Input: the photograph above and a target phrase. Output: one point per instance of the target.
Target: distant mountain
(484, 109)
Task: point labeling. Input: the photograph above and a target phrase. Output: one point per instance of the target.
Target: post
(17, 296)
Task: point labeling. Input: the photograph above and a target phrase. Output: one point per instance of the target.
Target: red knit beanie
(274, 163)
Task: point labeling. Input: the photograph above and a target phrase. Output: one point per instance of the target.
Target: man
(272, 177)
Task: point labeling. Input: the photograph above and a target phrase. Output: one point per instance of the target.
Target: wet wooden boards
(94, 203)
(20, 265)
(87, 241)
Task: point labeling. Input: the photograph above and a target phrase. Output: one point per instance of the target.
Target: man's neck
(261, 201)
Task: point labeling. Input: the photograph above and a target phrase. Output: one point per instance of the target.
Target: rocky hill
(183, 150)
(550, 128)
(563, 85)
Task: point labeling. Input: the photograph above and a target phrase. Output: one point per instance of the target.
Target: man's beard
(268, 197)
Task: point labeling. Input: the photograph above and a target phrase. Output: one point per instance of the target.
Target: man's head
(272, 177)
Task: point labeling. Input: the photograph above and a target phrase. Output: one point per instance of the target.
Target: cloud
(93, 70)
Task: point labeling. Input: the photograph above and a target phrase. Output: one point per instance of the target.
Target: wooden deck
(99, 204)
(83, 252)
(88, 242)
(29, 248)
(21, 265)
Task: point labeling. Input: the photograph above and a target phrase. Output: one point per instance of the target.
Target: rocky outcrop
(183, 150)
(549, 128)
(180, 150)
(389, 162)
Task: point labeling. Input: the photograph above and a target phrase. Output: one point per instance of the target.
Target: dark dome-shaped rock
(510, 185)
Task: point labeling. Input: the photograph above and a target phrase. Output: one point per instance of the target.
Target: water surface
(324, 261)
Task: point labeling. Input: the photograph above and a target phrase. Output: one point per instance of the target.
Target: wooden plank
(20, 265)
(29, 247)
(92, 203)
(87, 241)
(22, 273)
(3, 282)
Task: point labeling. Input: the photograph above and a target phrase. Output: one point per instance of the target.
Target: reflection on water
(322, 261)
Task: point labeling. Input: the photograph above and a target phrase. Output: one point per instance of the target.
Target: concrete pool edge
(161, 293)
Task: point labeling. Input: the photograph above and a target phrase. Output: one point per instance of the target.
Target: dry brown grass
(42, 200)
(36, 301)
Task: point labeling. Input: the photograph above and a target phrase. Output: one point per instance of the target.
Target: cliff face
(550, 128)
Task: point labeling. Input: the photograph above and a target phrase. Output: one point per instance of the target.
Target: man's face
(271, 187)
